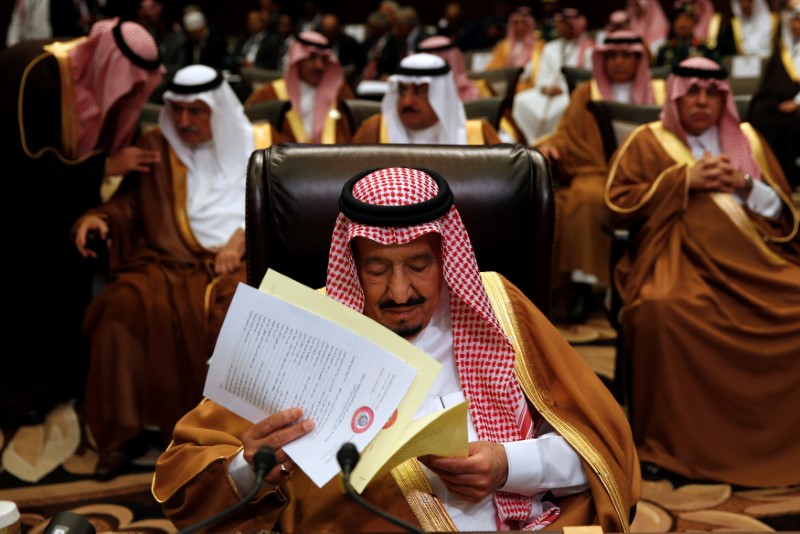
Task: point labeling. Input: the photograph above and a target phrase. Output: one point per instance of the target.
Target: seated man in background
(522, 47)
(775, 107)
(314, 83)
(683, 41)
(544, 450)
(621, 73)
(442, 46)
(68, 114)
(753, 30)
(536, 111)
(176, 252)
(422, 106)
(710, 286)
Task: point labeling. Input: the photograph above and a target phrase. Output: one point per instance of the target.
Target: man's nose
(400, 289)
(702, 96)
(184, 117)
(407, 98)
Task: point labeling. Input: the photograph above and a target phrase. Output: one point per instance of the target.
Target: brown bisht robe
(373, 131)
(711, 317)
(580, 242)
(43, 175)
(192, 482)
(154, 326)
(337, 128)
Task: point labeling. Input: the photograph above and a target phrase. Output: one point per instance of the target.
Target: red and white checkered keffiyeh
(732, 140)
(327, 91)
(642, 91)
(484, 355)
(103, 75)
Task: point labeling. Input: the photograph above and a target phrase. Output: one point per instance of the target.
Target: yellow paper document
(358, 381)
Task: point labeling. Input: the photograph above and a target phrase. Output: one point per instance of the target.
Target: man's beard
(407, 331)
(404, 330)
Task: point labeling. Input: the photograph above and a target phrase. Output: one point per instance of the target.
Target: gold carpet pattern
(47, 468)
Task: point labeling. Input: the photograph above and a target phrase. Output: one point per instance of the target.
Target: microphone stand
(348, 458)
(264, 460)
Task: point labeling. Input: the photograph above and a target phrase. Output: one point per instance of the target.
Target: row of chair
(357, 110)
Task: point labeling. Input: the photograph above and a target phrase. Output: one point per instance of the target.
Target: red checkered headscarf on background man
(116, 60)
(396, 206)
(519, 56)
(445, 48)
(704, 73)
(624, 41)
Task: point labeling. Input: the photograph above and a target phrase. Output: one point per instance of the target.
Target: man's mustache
(408, 109)
(389, 304)
(189, 129)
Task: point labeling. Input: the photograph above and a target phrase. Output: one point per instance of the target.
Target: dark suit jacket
(266, 56)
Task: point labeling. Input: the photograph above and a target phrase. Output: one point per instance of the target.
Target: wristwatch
(748, 183)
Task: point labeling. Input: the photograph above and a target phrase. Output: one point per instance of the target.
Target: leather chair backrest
(504, 194)
(255, 77)
(148, 117)
(360, 109)
(503, 81)
(742, 105)
(575, 75)
(271, 111)
(489, 108)
(740, 84)
(660, 72)
(616, 120)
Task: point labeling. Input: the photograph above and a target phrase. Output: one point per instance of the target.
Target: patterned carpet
(47, 468)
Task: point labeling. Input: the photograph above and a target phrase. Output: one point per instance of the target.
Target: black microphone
(67, 521)
(264, 460)
(348, 458)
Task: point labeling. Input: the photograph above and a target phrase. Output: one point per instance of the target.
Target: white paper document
(272, 354)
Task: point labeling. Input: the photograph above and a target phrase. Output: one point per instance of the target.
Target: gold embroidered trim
(541, 399)
(713, 30)
(69, 129)
(659, 91)
(295, 122)
(736, 26)
(418, 492)
(761, 159)
(262, 135)
(594, 90)
(384, 131)
(281, 91)
(328, 136)
(725, 201)
(179, 172)
(654, 126)
(788, 64)
(484, 88)
(475, 132)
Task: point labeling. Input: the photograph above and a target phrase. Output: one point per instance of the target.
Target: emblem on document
(362, 419)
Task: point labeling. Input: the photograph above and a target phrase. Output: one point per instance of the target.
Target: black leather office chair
(148, 118)
(255, 76)
(489, 109)
(503, 81)
(360, 109)
(504, 194)
(271, 111)
(616, 121)
(575, 75)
